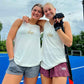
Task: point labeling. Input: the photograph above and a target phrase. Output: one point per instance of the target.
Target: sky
(10, 10)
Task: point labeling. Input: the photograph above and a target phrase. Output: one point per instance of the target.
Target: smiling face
(36, 12)
(49, 11)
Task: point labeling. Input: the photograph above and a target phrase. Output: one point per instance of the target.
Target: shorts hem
(30, 76)
(9, 72)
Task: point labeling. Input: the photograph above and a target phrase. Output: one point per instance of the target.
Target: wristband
(57, 28)
(11, 59)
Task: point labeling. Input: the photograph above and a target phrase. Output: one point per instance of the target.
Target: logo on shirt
(30, 32)
(50, 35)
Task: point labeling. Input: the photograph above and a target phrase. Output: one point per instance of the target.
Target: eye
(49, 9)
(34, 9)
(39, 11)
(45, 11)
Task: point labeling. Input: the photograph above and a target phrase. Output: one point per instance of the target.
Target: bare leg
(12, 79)
(45, 80)
(59, 80)
(30, 80)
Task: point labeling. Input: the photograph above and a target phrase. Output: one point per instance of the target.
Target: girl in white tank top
(26, 50)
(53, 52)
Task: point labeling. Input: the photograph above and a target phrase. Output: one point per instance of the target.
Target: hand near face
(58, 17)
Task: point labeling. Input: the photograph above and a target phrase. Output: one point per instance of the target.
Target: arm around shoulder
(41, 24)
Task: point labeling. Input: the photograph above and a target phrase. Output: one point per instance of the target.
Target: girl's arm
(40, 22)
(67, 36)
(11, 36)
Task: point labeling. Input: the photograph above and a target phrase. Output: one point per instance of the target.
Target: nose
(36, 12)
(48, 11)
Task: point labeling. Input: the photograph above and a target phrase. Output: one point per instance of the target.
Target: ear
(55, 10)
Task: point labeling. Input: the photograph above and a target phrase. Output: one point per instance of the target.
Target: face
(36, 12)
(49, 11)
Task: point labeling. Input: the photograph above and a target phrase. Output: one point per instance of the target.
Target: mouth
(35, 15)
(49, 15)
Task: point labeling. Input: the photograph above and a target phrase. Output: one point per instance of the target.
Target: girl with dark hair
(24, 56)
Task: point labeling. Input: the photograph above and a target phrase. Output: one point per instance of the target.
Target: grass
(3, 52)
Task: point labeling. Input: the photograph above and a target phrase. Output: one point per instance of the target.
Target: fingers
(57, 20)
(25, 19)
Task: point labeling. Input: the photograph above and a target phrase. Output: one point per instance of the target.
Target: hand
(25, 19)
(58, 25)
(58, 21)
(59, 16)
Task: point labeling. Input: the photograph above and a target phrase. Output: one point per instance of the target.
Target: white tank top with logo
(53, 51)
(27, 45)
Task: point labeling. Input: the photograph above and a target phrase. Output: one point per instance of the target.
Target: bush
(3, 46)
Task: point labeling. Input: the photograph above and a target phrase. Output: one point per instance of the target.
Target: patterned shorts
(60, 70)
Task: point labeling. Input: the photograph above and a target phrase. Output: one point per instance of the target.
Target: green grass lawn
(3, 52)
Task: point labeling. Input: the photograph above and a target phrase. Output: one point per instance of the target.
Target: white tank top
(53, 52)
(27, 45)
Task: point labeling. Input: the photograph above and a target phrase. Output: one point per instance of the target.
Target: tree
(3, 46)
(78, 43)
(0, 30)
